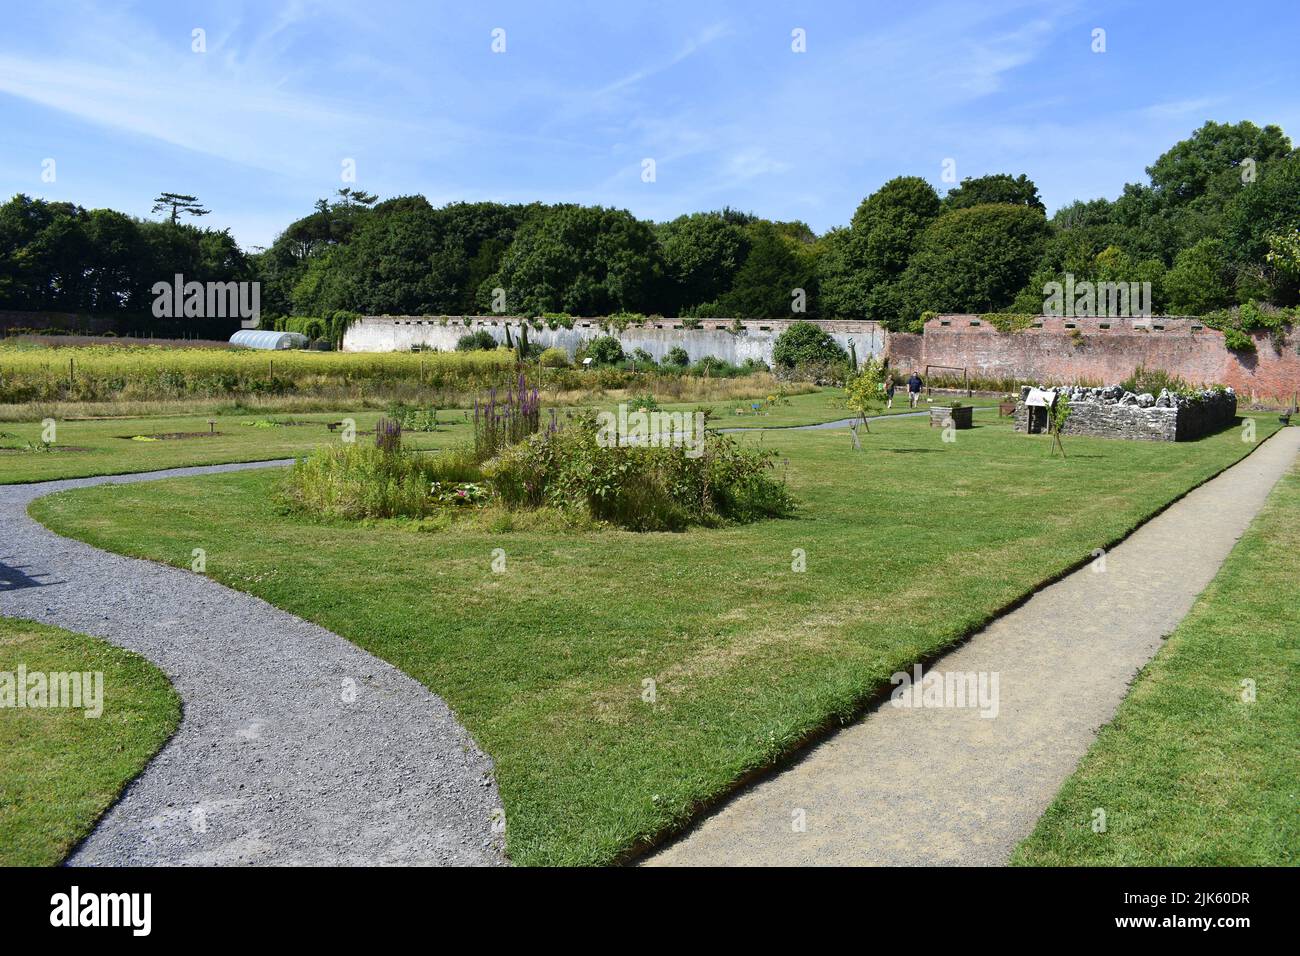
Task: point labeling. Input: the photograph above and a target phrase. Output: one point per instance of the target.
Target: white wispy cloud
(1176, 108)
(239, 101)
(693, 45)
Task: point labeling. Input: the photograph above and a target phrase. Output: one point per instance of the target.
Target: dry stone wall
(1112, 412)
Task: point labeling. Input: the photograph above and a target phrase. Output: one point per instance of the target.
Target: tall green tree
(1193, 184)
(1201, 279)
(861, 263)
(584, 260)
(972, 260)
(702, 253)
(995, 188)
(1268, 207)
(777, 277)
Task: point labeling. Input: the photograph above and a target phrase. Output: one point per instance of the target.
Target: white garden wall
(753, 339)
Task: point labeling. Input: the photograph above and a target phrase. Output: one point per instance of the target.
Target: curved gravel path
(927, 786)
(296, 747)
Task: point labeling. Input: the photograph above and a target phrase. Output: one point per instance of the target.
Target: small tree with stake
(1056, 418)
(864, 393)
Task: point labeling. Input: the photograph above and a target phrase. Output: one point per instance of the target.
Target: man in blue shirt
(914, 389)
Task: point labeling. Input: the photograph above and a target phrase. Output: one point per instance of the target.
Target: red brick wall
(905, 351)
(1056, 354)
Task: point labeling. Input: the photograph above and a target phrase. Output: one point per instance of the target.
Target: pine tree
(179, 203)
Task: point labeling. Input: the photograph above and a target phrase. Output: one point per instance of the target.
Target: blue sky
(259, 125)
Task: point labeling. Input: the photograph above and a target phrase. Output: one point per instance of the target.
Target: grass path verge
(1191, 772)
(59, 769)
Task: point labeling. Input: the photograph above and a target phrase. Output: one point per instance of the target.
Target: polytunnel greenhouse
(259, 339)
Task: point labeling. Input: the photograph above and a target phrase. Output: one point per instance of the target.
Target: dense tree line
(59, 257)
(1214, 227)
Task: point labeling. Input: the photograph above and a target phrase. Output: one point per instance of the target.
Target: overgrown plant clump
(1009, 321)
(500, 423)
(415, 418)
(1239, 321)
(359, 480)
(1155, 380)
(639, 487)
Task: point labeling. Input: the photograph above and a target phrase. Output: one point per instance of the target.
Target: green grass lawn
(1189, 773)
(910, 545)
(813, 408)
(85, 448)
(106, 446)
(59, 770)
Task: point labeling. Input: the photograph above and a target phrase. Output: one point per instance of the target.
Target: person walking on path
(889, 390)
(914, 389)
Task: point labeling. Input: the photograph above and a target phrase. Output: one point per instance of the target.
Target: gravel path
(911, 786)
(296, 747)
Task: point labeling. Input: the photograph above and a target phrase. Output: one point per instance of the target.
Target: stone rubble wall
(1112, 412)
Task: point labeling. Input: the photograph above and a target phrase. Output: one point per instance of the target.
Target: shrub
(414, 418)
(713, 367)
(475, 341)
(806, 344)
(603, 350)
(1237, 322)
(642, 357)
(639, 488)
(1153, 380)
(1238, 341)
(1009, 321)
(620, 320)
(311, 327)
(677, 356)
(554, 358)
